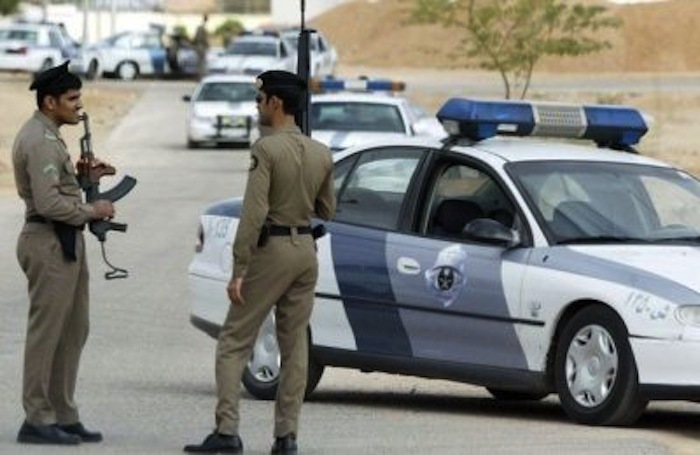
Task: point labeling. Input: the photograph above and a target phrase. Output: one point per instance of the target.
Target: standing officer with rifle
(51, 252)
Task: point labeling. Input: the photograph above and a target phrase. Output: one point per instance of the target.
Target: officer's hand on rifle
(103, 209)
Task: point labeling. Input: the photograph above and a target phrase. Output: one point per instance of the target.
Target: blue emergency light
(610, 126)
(356, 85)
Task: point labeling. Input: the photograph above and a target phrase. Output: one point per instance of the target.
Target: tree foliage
(8, 6)
(511, 36)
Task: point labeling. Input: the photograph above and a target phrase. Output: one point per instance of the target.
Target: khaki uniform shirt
(44, 174)
(290, 179)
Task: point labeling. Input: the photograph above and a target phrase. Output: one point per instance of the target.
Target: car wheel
(513, 395)
(594, 370)
(92, 70)
(261, 375)
(127, 71)
(46, 64)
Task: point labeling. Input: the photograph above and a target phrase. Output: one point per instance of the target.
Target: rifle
(89, 172)
(304, 72)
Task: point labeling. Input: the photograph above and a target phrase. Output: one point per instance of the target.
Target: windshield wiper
(686, 239)
(601, 239)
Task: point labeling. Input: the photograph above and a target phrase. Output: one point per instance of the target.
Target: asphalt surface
(147, 376)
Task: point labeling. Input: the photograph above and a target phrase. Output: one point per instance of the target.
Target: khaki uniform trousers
(57, 325)
(282, 274)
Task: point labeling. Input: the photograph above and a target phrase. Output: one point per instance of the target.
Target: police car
(222, 110)
(324, 56)
(34, 47)
(255, 52)
(345, 113)
(526, 265)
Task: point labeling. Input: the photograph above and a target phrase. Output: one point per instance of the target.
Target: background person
(201, 46)
(290, 179)
(51, 252)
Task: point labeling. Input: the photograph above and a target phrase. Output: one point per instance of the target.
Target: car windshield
(356, 116)
(241, 47)
(233, 92)
(595, 202)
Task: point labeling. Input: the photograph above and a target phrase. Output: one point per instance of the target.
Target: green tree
(511, 36)
(227, 30)
(8, 7)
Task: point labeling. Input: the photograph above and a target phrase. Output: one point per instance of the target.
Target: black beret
(56, 78)
(279, 79)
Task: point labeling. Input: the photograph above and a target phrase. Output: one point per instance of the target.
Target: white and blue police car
(346, 113)
(526, 265)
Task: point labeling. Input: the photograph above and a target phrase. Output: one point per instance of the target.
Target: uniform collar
(288, 129)
(47, 122)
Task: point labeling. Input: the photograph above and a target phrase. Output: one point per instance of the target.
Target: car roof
(358, 97)
(511, 149)
(239, 78)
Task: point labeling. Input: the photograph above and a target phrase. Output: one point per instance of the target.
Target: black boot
(285, 445)
(45, 434)
(83, 433)
(217, 442)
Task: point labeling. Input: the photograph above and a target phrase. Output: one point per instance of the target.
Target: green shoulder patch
(50, 169)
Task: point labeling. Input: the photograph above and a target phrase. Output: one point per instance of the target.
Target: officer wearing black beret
(275, 267)
(51, 252)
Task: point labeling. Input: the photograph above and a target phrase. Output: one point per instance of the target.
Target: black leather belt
(36, 219)
(286, 230)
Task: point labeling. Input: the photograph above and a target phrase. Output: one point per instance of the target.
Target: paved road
(147, 375)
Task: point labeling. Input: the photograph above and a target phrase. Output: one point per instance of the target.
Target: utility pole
(86, 11)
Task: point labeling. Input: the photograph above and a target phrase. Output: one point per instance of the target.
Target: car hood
(659, 269)
(340, 140)
(240, 63)
(214, 108)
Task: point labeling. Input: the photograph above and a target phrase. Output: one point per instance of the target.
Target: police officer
(275, 265)
(51, 253)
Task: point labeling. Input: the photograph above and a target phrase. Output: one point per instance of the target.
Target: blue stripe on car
(566, 259)
(375, 320)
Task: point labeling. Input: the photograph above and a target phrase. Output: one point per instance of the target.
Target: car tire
(92, 70)
(595, 373)
(516, 395)
(127, 71)
(46, 64)
(261, 375)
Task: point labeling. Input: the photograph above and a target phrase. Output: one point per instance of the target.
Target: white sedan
(222, 111)
(255, 53)
(526, 266)
(360, 112)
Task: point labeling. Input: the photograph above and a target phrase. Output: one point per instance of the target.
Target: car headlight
(689, 315)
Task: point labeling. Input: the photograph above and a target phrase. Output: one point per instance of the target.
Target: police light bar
(356, 85)
(610, 126)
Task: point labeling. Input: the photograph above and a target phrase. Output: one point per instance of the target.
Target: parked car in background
(256, 52)
(132, 54)
(222, 111)
(324, 56)
(33, 47)
(527, 266)
(356, 112)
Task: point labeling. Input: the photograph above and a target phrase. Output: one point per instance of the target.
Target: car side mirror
(187, 98)
(490, 231)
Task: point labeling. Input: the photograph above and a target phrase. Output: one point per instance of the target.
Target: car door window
(462, 193)
(375, 189)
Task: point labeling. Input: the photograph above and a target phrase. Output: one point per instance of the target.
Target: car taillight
(199, 246)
